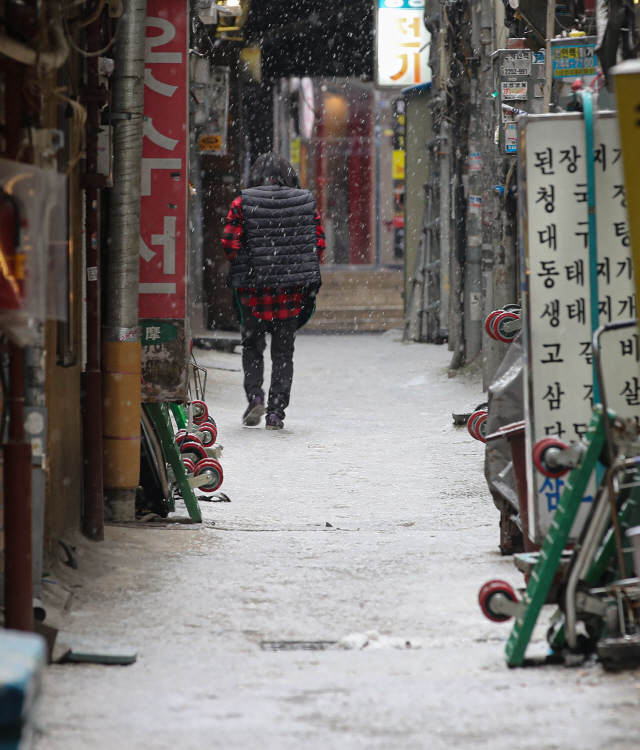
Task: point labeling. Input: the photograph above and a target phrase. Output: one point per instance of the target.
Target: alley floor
(369, 512)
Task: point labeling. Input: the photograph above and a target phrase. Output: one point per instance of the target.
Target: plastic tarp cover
(506, 406)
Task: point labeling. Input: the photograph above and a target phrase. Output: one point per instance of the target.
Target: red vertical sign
(163, 201)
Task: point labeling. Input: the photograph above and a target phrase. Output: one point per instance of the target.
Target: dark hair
(272, 169)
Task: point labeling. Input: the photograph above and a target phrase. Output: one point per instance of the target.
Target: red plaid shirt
(267, 304)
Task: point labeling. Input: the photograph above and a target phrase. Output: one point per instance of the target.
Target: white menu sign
(555, 244)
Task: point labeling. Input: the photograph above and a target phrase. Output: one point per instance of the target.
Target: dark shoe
(273, 422)
(254, 412)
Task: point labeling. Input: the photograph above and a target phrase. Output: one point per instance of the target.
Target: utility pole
(551, 24)
(473, 270)
(496, 269)
(121, 348)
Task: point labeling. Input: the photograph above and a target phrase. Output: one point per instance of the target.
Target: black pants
(283, 334)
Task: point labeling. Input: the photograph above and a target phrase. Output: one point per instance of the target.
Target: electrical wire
(79, 23)
(84, 53)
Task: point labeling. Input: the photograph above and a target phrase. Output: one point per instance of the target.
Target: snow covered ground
(369, 512)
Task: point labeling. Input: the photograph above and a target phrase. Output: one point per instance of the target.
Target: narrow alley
(428, 537)
(368, 512)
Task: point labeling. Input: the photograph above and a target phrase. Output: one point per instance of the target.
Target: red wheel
(190, 446)
(211, 420)
(200, 412)
(471, 424)
(488, 591)
(489, 320)
(492, 324)
(192, 436)
(213, 467)
(480, 427)
(498, 327)
(208, 434)
(189, 466)
(539, 450)
(180, 436)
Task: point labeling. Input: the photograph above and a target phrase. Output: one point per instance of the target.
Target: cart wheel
(212, 467)
(180, 436)
(480, 427)
(189, 466)
(190, 446)
(208, 434)
(539, 450)
(471, 424)
(488, 591)
(513, 308)
(482, 407)
(210, 420)
(489, 320)
(192, 436)
(497, 326)
(200, 411)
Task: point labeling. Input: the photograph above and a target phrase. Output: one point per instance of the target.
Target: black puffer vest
(279, 243)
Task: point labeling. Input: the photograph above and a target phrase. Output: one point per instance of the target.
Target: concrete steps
(359, 299)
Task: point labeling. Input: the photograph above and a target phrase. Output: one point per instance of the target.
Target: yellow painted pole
(121, 372)
(627, 85)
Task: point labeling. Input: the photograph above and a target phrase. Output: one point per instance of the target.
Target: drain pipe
(121, 347)
(473, 264)
(93, 495)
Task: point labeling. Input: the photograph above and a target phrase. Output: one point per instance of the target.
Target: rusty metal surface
(165, 360)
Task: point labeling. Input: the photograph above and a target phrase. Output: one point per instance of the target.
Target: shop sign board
(573, 57)
(512, 90)
(557, 310)
(401, 44)
(163, 203)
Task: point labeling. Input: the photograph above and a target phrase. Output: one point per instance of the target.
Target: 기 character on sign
(275, 241)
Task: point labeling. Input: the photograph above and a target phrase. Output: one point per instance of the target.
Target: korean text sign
(164, 162)
(163, 202)
(554, 233)
(402, 44)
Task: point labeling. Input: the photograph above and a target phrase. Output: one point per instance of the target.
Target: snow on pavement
(367, 514)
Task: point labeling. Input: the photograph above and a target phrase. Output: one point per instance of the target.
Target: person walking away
(275, 242)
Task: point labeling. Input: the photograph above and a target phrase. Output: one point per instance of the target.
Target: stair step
(354, 325)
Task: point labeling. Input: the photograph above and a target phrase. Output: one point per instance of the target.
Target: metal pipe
(121, 352)
(588, 546)
(445, 226)
(473, 263)
(551, 26)
(620, 464)
(18, 597)
(93, 497)
(124, 230)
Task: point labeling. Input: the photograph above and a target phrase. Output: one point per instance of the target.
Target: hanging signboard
(574, 57)
(401, 44)
(557, 310)
(163, 204)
